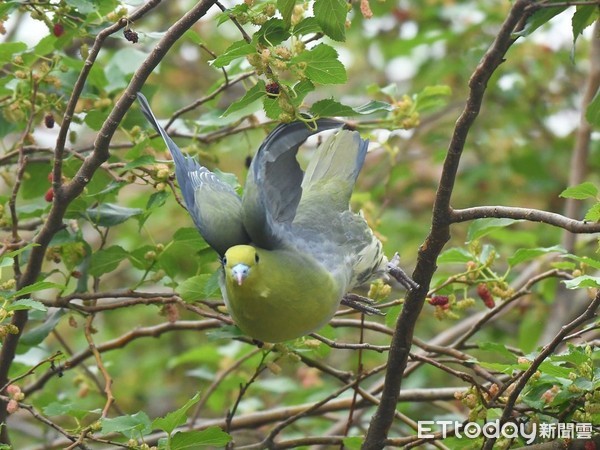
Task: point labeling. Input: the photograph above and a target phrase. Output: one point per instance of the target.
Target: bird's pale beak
(240, 272)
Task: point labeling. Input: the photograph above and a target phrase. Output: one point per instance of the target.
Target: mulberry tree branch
(440, 228)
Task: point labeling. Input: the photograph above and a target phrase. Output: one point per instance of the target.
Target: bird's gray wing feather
(273, 188)
(324, 226)
(214, 206)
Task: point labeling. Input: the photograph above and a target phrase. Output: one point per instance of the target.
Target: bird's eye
(256, 257)
(224, 261)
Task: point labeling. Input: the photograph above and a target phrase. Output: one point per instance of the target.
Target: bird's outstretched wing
(273, 188)
(215, 207)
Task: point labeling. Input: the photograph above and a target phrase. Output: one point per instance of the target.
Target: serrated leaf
(157, 199)
(353, 442)
(8, 49)
(584, 281)
(194, 36)
(195, 288)
(554, 370)
(66, 408)
(526, 254)
(539, 18)
(372, 107)
(330, 107)
(454, 256)
(172, 420)
(432, 97)
(594, 263)
(272, 32)
(584, 16)
(144, 160)
(286, 8)
(189, 236)
(189, 440)
(131, 426)
(592, 113)
(254, 94)
(581, 191)
(35, 336)
(306, 26)
(106, 260)
(302, 89)
(593, 214)
(271, 108)
(236, 50)
(108, 215)
(321, 65)
(331, 16)
(25, 303)
(498, 349)
(18, 251)
(481, 227)
(35, 287)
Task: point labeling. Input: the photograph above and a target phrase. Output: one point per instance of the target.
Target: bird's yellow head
(239, 261)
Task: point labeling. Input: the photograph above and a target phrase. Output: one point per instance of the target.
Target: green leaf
(301, 89)
(108, 215)
(353, 442)
(454, 256)
(498, 349)
(131, 426)
(35, 336)
(482, 227)
(25, 303)
(8, 49)
(189, 440)
(286, 8)
(157, 199)
(585, 260)
(306, 26)
(372, 107)
(196, 288)
(5, 8)
(18, 251)
(190, 237)
(547, 368)
(330, 107)
(592, 114)
(593, 214)
(236, 50)
(580, 191)
(539, 18)
(106, 260)
(175, 418)
(65, 408)
(526, 254)
(432, 97)
(253, 95)
(584, 281)
(144, 160)
(272, 32)
(194, 36)
(83, 6)
(331, 16)
(584, 16)
(39, 286)
(271, 108)
(321, 65)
